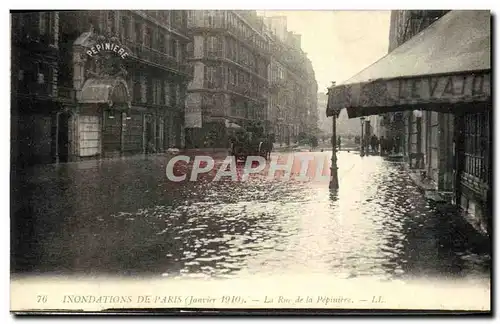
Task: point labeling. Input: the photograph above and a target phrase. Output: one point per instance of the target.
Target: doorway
(150, 138)
(63, 137)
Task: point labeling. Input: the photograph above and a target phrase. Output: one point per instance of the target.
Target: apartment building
(229, 55)
(293, 102)
(113, 82)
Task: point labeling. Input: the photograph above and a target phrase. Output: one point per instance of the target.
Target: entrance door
(150, 139)
(63, 137)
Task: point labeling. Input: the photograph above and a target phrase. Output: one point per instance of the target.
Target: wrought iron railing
(156, 57)
(67, 94)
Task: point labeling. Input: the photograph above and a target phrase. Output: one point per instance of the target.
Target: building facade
(455, 147)
(293, 102)
(34, 93)
(114, 83)
(247, 70)
(229, 56)
(104, 83)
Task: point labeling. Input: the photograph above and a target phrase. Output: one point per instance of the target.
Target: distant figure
(339, 142)
(374, 143)
(314, 142)
(383, 146)
(396, 145)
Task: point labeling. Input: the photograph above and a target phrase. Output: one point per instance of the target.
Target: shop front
(105, 125)
(444, 73)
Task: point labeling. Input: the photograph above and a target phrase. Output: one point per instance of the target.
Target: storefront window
(476, 145)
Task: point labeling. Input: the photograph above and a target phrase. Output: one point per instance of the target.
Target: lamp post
(362, 151)
(334, 180)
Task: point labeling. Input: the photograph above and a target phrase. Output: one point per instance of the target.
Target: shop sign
(436, 88)
(107, 47)
(425, 90)
(470, 87)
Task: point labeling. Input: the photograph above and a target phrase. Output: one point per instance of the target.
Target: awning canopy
(112, 91)
(448, 62)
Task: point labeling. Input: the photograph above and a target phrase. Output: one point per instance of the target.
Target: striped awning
(448, 62)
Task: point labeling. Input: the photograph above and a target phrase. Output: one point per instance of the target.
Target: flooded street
(123, 217)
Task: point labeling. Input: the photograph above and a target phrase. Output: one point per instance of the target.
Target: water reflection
(125, 217)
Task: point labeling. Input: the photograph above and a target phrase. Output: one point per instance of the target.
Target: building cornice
(158, 23)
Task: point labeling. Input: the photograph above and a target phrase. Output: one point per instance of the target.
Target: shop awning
(448, 62)
(112, 91)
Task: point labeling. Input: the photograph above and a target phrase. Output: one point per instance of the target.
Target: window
(161, 41)
(209, 18)
(165, 16)
(173, 47)
(157, 92)
(232, 76)
(137, 89)
(30, 23)
(210, 76)
(178, 94)
(166, 93)
(178, 18)
(46, 27)
(111, 22)
(178, 50)
(173, 94)
(476, 145)
(148, 37)
(138, 33)
(211, 46)
(191, 17)
(125, 28)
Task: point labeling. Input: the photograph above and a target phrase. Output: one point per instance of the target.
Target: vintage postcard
(189, 160)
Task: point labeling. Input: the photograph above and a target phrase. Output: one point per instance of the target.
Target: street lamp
(334, 180)
(362, 151)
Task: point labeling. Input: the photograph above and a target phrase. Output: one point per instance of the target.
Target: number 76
(41, 298)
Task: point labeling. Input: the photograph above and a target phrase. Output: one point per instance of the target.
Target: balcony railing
(247, 91)
(66, 94)
(157, 57)
(36, 89)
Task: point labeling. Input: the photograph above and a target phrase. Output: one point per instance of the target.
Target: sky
(339, 43)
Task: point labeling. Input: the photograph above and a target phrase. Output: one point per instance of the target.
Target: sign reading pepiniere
(108, 47)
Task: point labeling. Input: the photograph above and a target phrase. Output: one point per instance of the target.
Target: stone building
(35, 99)
(116, 83)
(230, 57)
(434, 91)
(455, 146)
(293, 102)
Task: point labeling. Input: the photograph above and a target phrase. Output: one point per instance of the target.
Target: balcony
(158, 58)
(277, 84)
(66, 94)
(175, 26)
(247, 92)
(40, 90)
(36, 43)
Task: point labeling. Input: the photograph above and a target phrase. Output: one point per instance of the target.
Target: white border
(185, 4)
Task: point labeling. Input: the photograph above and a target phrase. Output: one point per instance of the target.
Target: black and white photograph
(337, 160)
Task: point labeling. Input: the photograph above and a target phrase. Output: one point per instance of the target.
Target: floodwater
(124, 217)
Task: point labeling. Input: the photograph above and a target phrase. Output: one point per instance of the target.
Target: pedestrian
(396, 145)
(382, 145)
(339, 142)
(373, 143)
